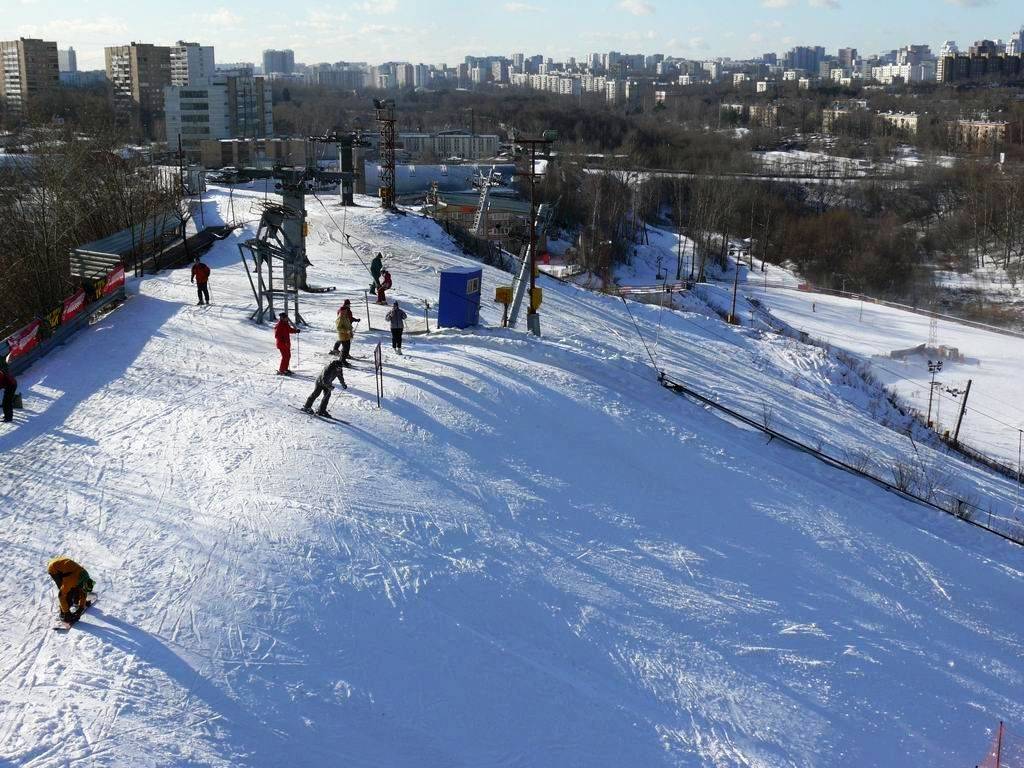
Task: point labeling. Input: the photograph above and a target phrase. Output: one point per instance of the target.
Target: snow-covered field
(994, 361)
(533, 555)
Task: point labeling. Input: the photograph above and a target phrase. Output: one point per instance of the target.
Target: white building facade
(192, 64)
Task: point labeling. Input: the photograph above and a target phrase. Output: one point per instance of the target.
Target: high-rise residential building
(770, 59)
(518, 60)
(192, 64)
(914, 55)
(846, 57)
(949, 50)
(228, 107)
(421, 77)
(138, 74)
(1016, 44)
(499, 71)
(28, 68)
(67, 61)
(804, 57)
(986, 48)
(278, 62)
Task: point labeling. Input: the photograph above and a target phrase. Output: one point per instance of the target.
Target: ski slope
(533, 555)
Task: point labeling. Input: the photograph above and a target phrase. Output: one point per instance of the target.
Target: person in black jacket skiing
(9, 384)
(397, 319)
(325, 385)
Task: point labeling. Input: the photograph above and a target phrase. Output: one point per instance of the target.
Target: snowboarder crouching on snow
(385, 285)
(9, 384)
(325, 385)
(283, 335)
(397, 319)
(201, 276)
(345, 325)
(74, 585)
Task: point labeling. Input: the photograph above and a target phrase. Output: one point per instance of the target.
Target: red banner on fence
(73, 305)
(24, 340)
(115, 280)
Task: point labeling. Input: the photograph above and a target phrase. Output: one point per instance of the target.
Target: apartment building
(138, 74)
(67, 60)
(229, 107)
(978, 134)
(278, 62)
(903, 122)
(28, 68)
(445, 144)
(192, 64)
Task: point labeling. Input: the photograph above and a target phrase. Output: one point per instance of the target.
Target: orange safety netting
(1005, 751)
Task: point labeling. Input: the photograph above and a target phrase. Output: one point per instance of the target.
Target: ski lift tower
(347, 144)
(278, 252)
(548, 138)
(386, 120)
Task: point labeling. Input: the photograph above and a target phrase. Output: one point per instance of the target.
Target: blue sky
(446, 30)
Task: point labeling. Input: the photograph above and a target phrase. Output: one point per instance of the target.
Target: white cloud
(71, 28)
(378, 7)
(521, 8)
(970, 3)
(833, 4)
(636, 7)
(221, 17)
(777, 3)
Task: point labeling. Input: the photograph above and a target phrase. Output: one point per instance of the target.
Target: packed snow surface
(532, 555)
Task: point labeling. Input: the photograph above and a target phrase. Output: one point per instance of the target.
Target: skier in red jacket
(384, 285)
(200, 276)
(283, 335)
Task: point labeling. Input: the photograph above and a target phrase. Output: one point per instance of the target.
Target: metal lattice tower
(386, 120)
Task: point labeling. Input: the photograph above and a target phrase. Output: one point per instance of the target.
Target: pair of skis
(325, 417)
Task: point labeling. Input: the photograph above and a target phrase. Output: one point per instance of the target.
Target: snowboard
(64, 626)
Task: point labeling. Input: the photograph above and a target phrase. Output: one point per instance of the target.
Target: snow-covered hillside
(992, 360)
(533, 555)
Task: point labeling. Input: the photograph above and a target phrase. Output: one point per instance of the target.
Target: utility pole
(933, 368)
(533, 316)
(735, 287)
(963, 409)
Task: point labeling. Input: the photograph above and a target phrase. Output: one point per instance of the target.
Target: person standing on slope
(375, 269)
(283, 336)
(346, 330)
(74, 585)
(9, 384)
(397, 319)
(385, 285)
(200, 276)
(325, 385)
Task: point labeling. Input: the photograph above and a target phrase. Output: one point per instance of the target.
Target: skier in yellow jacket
(74, 585)
(345, 325)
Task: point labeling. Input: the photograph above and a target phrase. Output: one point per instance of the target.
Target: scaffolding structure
(386, 120)
(274, 276)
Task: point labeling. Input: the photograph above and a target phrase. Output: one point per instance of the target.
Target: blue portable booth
(458, 305)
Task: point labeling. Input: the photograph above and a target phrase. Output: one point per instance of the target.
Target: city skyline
(444, 33)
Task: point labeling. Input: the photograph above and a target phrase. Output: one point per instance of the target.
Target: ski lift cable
(638, 333)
